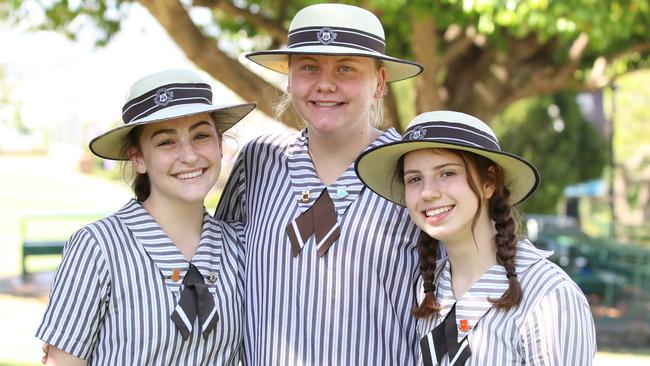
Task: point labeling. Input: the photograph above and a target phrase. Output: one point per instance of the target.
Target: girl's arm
(56, 357)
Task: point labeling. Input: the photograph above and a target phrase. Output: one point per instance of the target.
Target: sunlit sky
(58, 82)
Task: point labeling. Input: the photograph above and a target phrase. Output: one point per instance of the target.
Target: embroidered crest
(418, 133)
(326, 35)
(163, 97)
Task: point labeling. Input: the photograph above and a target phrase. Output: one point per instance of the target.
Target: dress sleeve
(78, 297)
(560, 330)
(232, 204)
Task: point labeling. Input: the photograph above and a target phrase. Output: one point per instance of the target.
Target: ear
(135, 156)
(380, 90)
(490, 185)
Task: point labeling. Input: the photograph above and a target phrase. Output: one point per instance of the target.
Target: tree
(551, 133)
(479, 56)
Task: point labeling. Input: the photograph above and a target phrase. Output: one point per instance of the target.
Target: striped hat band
(166, 96)
(336, 36)
(452, 133)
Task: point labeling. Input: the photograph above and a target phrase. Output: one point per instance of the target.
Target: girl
(329, 263)
(160, 281)
(493, 300)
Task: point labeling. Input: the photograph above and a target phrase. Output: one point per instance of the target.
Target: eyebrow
(313, 59)
(437, 167)
(173, 131)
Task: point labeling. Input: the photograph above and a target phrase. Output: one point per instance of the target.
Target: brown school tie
(195, 300)
(319, 219)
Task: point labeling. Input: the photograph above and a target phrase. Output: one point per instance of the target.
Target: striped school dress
(116, 288)
(552, 325)
(350, 306)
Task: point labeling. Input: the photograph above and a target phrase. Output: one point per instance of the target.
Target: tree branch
(207, 56)
(275, 29)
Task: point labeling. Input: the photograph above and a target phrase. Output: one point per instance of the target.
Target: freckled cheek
(411, 198)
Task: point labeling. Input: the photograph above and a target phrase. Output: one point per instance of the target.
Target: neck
(181, 221)
(470, 259)
(333, 153)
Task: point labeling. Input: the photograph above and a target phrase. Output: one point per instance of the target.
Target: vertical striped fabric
(349, 307)
(112, 296)
(552, 325)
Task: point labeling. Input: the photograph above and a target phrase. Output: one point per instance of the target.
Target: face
(182, 158)
(335, 93)
(438, 195)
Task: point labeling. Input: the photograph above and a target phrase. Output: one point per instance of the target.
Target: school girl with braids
(493, 299)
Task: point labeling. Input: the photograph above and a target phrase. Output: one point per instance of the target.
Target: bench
(45, 232)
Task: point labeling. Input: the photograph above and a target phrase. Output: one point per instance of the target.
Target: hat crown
(160, 79)
(452, 117)
(337, 15)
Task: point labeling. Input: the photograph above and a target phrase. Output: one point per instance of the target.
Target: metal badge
(305, 195)
(341, 192)
(326, 35)
(212, 278)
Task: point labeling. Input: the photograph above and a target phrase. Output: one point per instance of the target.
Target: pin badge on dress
(464, 325)
(305, 195)
(212, 278)
(341, 192)
(176, 275)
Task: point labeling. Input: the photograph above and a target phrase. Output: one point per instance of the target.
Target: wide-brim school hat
(376, 167)
(163, 96)
(336, 29)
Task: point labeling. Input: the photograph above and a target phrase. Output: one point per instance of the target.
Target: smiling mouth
(326, 104)
(190, 175)
(438, 211)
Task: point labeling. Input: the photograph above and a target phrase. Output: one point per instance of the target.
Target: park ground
(53, 182)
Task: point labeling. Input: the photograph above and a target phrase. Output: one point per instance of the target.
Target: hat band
(164, 97)
(452, 133)
(335, 36)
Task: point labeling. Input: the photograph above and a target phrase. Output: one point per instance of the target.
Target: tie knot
(193, 276)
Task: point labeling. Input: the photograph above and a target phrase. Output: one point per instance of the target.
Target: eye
(309, 67)
(412, 179)
(447, 173)
(345, 68)
(165, 142)
(202, 136)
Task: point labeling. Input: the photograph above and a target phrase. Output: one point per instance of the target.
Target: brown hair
(284, 101)
(139, 182)
(500, 210)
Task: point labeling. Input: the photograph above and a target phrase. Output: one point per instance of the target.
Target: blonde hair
(284, 102)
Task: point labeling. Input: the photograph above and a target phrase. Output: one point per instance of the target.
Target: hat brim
(376, 168)
(111, 144)
(278, 60)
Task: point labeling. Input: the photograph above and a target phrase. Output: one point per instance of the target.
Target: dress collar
(474, 303)
(167, 258)
(306, 183)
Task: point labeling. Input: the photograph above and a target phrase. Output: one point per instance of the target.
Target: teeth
(190, 175)
(327, 104)
(437, 211)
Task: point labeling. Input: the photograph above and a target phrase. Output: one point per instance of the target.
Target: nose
(326, 82)
(188, 153)
(431, 190)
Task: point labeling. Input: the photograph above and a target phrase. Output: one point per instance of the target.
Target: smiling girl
(329, 263)
(494, 299)
(159, 282)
